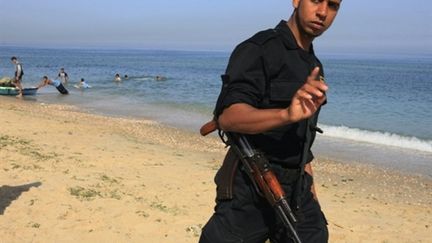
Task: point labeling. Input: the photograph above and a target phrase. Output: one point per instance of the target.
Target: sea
(378, 110)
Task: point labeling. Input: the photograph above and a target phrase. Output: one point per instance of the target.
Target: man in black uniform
(272, 92)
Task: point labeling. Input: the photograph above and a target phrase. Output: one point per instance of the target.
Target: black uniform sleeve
(245, 78)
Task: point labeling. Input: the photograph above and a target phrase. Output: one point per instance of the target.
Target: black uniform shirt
(265, 71)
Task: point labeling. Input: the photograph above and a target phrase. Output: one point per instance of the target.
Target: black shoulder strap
(306, 144)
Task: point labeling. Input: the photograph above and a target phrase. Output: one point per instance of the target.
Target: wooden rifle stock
(208, 128)
(274, 185)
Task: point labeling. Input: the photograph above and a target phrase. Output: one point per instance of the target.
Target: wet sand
(70, 176)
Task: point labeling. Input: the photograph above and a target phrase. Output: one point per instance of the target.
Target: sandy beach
(70, 176)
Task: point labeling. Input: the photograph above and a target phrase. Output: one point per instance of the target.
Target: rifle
(258, 169)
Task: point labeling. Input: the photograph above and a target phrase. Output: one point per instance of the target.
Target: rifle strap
(304, 157)
(225, 176)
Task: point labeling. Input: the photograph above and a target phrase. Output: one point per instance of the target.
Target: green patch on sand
(26, 148)
(84, 193)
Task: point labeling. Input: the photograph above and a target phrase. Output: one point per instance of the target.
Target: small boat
(15, 91)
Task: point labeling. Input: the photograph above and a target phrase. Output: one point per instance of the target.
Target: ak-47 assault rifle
(258, 168)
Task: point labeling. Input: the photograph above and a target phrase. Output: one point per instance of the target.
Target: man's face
(314, 17)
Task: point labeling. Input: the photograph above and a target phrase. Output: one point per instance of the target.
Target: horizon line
(324, 52)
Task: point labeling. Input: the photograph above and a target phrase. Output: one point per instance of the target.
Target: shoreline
(74, 176)
(405, 160)
(402, 161)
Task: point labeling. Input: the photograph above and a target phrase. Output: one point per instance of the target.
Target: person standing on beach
(19, 72)
(63, 76)
(56, 83)
(272, 93)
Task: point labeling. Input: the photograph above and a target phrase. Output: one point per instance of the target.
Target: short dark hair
(13, 58)
(82, 79)
(45, 77)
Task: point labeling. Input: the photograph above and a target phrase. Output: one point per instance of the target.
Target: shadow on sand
(11, 193)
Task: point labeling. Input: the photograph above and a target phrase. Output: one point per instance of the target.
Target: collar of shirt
(288, 37)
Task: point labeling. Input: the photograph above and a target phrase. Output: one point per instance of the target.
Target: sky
(384, 26)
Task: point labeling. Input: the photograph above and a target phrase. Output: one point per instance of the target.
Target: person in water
(160, 78)
(117, 78)
(56, 83)
(83, 84)
(63, 76)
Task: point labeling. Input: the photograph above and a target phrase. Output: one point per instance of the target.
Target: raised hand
(308, 98)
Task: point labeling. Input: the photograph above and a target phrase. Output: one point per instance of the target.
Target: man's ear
(295, 3)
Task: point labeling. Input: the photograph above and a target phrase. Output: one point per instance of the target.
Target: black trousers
(62, 89)
(248, 218)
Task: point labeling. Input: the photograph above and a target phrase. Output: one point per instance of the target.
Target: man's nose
(322, 10)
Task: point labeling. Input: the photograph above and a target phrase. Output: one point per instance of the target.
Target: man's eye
(334, 6)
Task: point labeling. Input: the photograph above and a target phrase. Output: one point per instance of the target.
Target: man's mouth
(317, 25)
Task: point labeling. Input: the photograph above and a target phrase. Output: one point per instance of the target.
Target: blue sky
(385, 26)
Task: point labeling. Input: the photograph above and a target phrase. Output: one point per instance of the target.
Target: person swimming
(160, 78)
(82, 85)
(117, 78)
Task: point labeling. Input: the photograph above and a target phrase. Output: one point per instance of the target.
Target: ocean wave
(374, 137)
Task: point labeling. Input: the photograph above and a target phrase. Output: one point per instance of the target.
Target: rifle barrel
(281, 211)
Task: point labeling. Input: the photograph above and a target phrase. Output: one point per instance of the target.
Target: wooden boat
(14, 91)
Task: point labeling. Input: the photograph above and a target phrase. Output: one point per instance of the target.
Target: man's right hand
(244, 118)
(307, 99)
